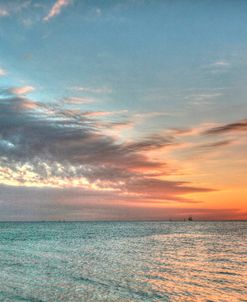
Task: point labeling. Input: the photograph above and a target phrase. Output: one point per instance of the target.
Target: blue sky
(137, 48)
(138, 70)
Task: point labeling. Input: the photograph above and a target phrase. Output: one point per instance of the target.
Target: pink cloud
(78, 100)
(56, 9)
(21, 90)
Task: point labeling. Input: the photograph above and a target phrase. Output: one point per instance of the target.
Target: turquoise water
(123, 261)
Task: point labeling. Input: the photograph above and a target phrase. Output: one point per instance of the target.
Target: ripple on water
(143, 261)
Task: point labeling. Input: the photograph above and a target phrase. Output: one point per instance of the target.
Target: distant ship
(190, 218)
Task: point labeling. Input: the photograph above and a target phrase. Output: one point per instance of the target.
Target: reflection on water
(115, 261)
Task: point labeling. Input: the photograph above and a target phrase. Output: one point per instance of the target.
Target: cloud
(161, 189)
(221, 63)
(203, 98)
(3, 12)
(218, 67)
(46, 146)
(56, 9)
(21, 90)
(98, 113)
(13, 7)
(97, 90)
(240, 126)
(210, 129)
(2, 72)
(150, 143)
(17, 203)
(104, 113)
(98, 12)
(78, 100)
(190, 132)
(217, 144)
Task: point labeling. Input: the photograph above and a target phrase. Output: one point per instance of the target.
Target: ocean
(123, 261)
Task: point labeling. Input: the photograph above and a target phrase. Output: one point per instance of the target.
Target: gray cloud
(227, 128)
(217, 144)
(150, 143)
(49, 146)
(64, 136)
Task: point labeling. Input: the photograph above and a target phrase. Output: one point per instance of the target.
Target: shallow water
(123, 261)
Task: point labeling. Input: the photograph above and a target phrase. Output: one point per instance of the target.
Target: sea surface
(123, 261)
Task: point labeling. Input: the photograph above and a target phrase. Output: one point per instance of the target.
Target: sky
(123, 110)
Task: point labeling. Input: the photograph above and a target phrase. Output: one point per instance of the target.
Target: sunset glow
(107, 113)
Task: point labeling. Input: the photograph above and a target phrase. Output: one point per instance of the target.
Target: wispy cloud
(2, 72)
(191, 132)
(105, 113)
(78, 100)
(218, 66)
(21, 90)
(97, 90)
(216, 144)
(239, 126)
(221, 63)
(56, 9)
(151, 142)
(3, 12)
(203, 98)
(13, 7)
